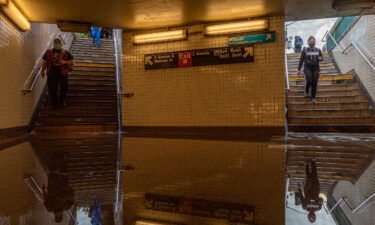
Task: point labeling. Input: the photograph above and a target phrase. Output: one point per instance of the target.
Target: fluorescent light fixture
(3, 2)
(236, 27)
(150, 222)
(353, 5)
(16, 16)
(173, 35)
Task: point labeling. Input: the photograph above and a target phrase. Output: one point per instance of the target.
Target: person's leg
(308, 80)
(98, 33)
(63, 89)
(314, 83)
(93, 35)
(52, 84)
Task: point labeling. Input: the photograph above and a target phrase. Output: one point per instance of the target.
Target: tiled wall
(362, 33)
(18, 54)
(248, 94)
(356, 194)
(232, 172)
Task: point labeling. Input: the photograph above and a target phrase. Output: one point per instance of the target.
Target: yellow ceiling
(141, 14)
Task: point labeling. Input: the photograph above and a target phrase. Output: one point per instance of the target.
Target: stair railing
(344, 50)
(343, 200)
(117, 39)
(67, 38)
(38, 192)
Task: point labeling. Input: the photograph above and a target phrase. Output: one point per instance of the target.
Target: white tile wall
(18, 54)
(250, 94)
(363, 34)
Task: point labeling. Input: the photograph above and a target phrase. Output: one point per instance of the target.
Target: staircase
(91, 161)
(338, 157)
(341, 105)
(91, 103)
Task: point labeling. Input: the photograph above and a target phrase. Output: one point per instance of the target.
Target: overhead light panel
(353, 5)
(3, 2)
(15, 15)
(236, 27)
(149, 222)
(173, 35)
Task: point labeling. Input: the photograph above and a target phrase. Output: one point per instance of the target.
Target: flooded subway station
(254, 112)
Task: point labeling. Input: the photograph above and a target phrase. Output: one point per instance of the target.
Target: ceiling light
(149, 222)
(173, 35)
(236, 27)
(16, 16)
(353, 5)
(3, 2)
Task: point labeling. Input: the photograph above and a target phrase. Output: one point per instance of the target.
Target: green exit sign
(252, 39)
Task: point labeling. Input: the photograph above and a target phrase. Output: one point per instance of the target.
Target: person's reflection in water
(310, 199)
(59, 196)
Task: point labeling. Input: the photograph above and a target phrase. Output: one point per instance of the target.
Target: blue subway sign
(252, 39)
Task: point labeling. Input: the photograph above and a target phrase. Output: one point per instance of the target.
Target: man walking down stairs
(91, 102)
(341, 104)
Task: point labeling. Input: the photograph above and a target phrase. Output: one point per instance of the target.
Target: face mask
(57, 46)
(311, 45)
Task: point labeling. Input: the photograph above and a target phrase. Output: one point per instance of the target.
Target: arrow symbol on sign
(148, 60)
(249, 51)
(268, 36)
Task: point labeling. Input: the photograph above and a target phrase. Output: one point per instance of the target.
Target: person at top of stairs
(56, 65)
(96, 34)
(310, 58)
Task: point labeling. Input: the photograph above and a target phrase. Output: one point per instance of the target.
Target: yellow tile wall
(18, 54)
(235, 172)
(248, 94)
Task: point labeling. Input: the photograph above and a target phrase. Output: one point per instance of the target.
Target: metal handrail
(353, 211)
(117, 39)
(36, 72)
(38, 192)
(344, 50)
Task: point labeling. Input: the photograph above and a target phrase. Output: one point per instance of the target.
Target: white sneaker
(313, 100)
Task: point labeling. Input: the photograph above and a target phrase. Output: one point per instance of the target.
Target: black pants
(54, 82)
(311, 80)
(312, 186)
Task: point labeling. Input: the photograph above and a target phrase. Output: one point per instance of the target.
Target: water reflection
(50, 179)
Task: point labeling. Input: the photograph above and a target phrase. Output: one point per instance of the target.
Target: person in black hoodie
(310, 58)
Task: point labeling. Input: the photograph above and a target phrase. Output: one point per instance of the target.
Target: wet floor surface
(176, 180)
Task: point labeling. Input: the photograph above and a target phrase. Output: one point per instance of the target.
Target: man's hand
(43, 73)
(299, 73)
(62, 62)
(298, 185)
(320, 58)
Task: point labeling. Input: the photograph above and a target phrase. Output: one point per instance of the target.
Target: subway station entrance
(164, 112)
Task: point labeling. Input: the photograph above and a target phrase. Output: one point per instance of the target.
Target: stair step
(103, 61)
(324, 76)
(329, 105)
(92, 91)
(336, 128)
(74, 80)
(331, 87)
(328, 154)
(79, 111)
(331, 149)
(329, 98)
(327, 92)
(77, 119)
(93, 54)
(93, 86)
(324, 81)
(104, 76)
(326, 164)
(331, 112)
(86, 104)
(329, 177)
(97, 66)
(91, 98)
(93, 69)
(89, 127)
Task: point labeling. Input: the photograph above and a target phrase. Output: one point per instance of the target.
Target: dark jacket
(309, 57)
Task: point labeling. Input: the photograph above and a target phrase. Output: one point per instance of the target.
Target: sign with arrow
(233, 212)
(252, 39)
(200, 57)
